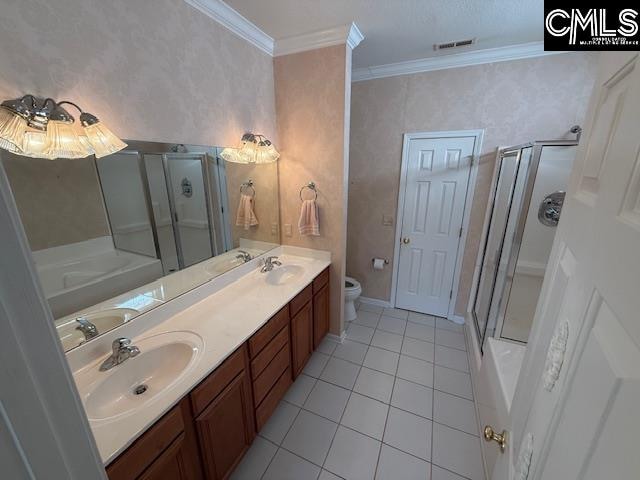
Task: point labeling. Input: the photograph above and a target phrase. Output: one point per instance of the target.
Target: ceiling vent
(449, 45)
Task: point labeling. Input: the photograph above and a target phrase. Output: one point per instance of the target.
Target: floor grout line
(388, 404)
(345, 409)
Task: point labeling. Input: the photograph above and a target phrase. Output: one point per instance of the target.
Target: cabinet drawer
(300, 300)
(262, 337)
(262, 360)
(271, 374)
(215, 383)
(139, 456)
(321, 280)
(270, 402)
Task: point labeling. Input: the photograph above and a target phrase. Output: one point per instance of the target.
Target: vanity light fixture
(42, 128)
(254, 148)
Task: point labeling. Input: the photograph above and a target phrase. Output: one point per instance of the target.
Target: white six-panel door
(437, 177)
(576, 412)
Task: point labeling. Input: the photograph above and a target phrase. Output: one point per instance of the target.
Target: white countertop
(223, 320)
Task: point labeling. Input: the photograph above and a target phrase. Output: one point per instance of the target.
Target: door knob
(501, 438)
(406, 240)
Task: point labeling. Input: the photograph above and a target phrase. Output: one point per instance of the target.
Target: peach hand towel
(245, 216)
(309, 223)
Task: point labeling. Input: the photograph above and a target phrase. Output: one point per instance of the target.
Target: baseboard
(376, 301)
(337, 338)
(459, 319)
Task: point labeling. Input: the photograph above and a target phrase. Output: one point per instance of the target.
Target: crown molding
(476, 57)
(349, 34)
(232, 20)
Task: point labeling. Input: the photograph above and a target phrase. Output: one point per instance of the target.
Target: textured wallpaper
(312, 98)
(514, 102)
(59, 202)
(151, 70)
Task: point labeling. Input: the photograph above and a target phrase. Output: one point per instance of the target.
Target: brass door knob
(406, 240)
(501, 438)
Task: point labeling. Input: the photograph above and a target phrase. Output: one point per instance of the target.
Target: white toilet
(352, 291)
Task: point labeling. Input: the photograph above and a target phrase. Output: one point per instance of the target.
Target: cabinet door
(226, 429)
(301, 338)
(167, 451)
(320, 315)
(175, 463)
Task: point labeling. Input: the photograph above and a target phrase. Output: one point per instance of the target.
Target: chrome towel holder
(248, 184)
(310, 186)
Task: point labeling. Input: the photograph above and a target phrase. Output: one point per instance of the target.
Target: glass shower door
(507, 173)
(122, 186)
(535, 242)
(188, 195)
(509, 194)
(510, 243)
(161, 209)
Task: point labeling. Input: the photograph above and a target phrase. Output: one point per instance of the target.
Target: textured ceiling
(400, 30)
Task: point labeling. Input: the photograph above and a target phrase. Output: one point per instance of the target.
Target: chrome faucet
(122, 350)
(269, 263)
(244, 256)
(88, 329)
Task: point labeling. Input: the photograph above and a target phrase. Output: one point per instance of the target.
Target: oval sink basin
(283, 275)
(163, 360)
(223, 266)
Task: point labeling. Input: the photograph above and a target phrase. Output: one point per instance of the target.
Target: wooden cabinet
(167, 451)
(301, 338)
(321, 309)
(225, 425)
(226, 429)
(270, 351)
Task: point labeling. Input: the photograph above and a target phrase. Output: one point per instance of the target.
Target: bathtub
(77, 276)
(495, 375)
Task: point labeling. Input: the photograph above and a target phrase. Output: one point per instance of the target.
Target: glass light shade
(12, 128)
(35, 145)
(251, 152)
(231, 155)
(267, 154)
(63, 141)
(102, 140)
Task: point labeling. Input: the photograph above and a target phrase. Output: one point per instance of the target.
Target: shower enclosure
(527, 199)
(166, 201)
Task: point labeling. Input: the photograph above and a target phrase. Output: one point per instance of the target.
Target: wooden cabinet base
(167, 451)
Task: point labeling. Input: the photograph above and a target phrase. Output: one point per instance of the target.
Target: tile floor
(394, 401)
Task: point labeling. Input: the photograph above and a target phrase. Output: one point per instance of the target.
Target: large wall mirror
(115, 237)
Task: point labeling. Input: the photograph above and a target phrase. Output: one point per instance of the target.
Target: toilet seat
(351, 284)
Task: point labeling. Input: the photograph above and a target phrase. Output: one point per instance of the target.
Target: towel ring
(310, 186)
(248, 184)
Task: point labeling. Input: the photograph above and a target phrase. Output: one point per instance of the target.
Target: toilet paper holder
(386, 262)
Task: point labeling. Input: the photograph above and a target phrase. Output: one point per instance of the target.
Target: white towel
(245, 216)
(309, 223)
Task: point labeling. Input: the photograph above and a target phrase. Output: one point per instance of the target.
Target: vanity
(233, 355)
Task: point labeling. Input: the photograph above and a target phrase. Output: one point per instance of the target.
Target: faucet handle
(120, 343)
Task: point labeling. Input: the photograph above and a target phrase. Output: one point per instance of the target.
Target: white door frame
(43, 426)
(471, 185)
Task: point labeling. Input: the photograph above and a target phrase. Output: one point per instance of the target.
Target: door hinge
(450, 294)
(460, 233)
